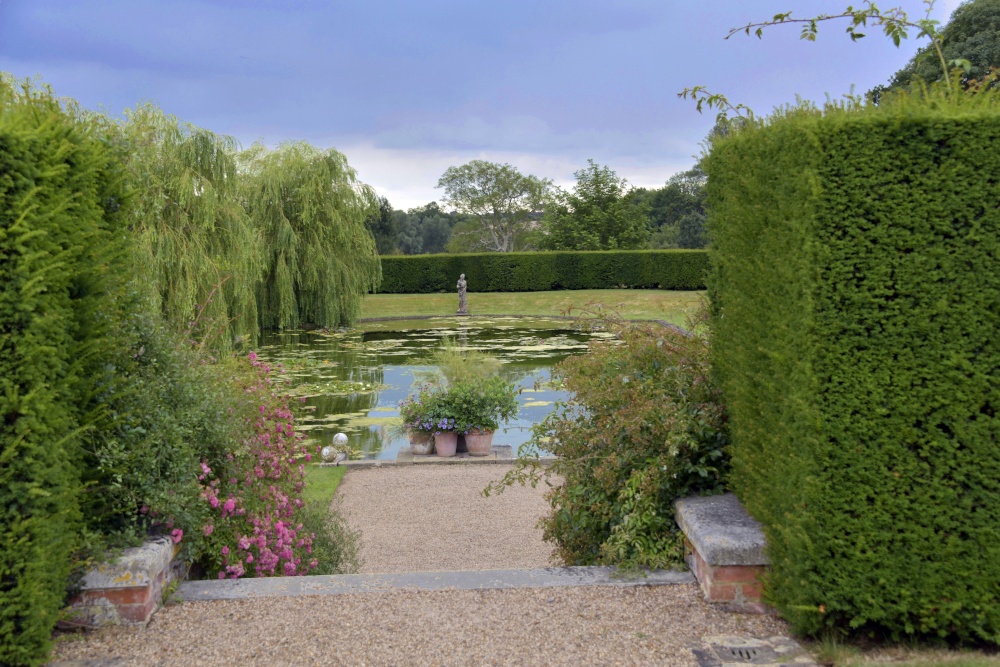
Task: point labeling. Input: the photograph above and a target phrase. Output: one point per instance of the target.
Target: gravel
(426, 518)
(566, 626)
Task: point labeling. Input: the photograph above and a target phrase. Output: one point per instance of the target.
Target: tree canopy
(597, 214)
(320, 258)
(501, 198)
(972, 34)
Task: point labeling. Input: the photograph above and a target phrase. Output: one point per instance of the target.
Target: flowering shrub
(645, 426)
(255, 494)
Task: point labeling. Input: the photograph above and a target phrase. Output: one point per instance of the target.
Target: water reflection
(352, 382)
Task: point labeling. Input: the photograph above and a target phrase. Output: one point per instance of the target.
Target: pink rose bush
(254, 496)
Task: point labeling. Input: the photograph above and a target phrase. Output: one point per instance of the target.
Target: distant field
(632, 304)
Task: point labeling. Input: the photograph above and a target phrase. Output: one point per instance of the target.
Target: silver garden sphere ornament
(340, 440)
(328, 454)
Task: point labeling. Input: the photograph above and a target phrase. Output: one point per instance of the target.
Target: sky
(406, 89)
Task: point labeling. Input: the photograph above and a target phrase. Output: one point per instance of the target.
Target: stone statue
(463, 308)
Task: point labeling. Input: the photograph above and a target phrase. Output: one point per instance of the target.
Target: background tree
(425, 229)
(972, 34)
(501, 198)
(382, 225)
(683, 197)
(597, 214)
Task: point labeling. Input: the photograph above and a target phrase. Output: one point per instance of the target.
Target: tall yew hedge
(58, 250)
(541, 271)
(856, 257)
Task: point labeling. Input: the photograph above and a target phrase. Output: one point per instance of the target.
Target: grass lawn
(630, 303)
(322, 483)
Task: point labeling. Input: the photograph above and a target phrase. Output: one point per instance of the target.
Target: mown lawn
(666, 305)
(322, 483)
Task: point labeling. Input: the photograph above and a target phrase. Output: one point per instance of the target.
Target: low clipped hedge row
(857, 303)
(542, 271)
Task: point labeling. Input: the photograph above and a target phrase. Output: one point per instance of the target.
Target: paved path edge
(339, 584)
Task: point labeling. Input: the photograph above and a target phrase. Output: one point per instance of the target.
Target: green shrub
(643, 428)
(59, 261)
(167, 408)
(857, 304)
(542, 271)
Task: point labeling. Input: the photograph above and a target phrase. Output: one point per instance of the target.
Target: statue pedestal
(462, 312)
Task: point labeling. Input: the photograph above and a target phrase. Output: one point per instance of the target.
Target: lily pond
(352, 381)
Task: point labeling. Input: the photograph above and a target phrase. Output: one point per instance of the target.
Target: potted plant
(478, 406)
(418, 413)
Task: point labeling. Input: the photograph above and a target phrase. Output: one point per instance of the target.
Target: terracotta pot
(421, 443)
(479, 442)
(446, 443)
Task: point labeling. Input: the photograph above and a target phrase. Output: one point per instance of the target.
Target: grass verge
(322, 483)
(671, 306)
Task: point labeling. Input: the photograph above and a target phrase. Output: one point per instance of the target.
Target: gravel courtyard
(426, 518)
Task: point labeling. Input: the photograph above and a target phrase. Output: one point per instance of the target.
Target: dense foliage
(972, 34)
(540, 271)
(61, 264)
(319, 258)
(498, 196)
(644, 427)
(112, 403)
(196, 244)
(604, 214)
(237, 241)
(857, 303)
(596, 215)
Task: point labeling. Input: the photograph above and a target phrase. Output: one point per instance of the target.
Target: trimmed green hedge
(58, 257)
(856, 260)
(541, 271)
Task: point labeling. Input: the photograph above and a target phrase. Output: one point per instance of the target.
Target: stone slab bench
(128, 590)
(725, 549)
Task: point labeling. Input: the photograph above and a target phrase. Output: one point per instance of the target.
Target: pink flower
(222, 575)
(208, 529)
(252, 356)
(225, 551)
(229, 506)
(176, 534)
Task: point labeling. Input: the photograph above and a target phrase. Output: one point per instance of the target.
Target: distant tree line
(493, 207)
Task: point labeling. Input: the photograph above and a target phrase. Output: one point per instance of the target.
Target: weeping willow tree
(320, 259)
(197, 246)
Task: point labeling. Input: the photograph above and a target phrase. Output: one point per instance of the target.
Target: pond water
(352, 381)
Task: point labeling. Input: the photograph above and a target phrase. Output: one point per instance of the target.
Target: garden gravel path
(598, 625)
(427, 517)
(423, 518)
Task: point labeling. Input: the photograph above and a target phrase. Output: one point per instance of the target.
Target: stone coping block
(339, 584)
(137, 566)
(127, 590)
(721, 531)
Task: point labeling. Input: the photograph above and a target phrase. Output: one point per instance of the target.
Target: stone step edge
(431, 460)
(339, 584)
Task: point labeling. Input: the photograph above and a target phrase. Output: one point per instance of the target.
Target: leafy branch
(894, 22)
(704, 98)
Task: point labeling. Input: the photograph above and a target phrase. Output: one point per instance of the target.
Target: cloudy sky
(408, 88)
